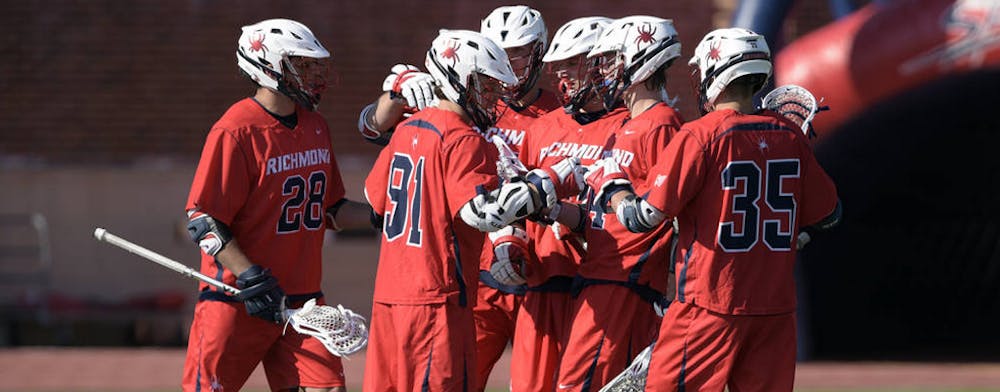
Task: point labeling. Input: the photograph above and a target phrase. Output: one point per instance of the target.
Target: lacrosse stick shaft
(104, 235)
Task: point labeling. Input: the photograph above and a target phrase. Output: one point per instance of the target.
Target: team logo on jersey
(660, 179)
(973, 38)
(257, 43)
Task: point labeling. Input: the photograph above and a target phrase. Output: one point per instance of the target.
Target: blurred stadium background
(106, 105)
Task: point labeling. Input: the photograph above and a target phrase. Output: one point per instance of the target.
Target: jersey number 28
(745, 205)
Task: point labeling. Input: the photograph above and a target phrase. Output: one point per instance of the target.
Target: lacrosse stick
(796, 104)
(633, 378)
(509, 168)
(342, 331)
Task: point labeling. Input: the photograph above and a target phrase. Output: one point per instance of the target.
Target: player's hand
(260, 293)
(407, 82)
(510, 250)
(561, 180)
(603, 176)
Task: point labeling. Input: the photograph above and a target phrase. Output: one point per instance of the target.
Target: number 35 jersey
(434, 164)
(271, 185)
(741, 186)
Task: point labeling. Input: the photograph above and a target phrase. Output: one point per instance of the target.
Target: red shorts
(539, 339)
(420, 347)
(226, 344)
(495, 313)
(611, 325)
(699, 350)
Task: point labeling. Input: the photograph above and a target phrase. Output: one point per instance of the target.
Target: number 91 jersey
(740, 186)
(434, 164)
(271, 185)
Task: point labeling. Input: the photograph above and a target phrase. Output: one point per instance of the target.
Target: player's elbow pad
(367, 128)
(831, 220)
(637, 215)
(210, 235)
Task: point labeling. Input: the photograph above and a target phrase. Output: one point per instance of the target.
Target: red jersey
(614, 252)
(432, 166)
(271, 185)
(512, 126)
(740, 185)
(550, 139)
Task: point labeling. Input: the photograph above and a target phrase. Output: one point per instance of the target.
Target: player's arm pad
(637, 215)
(830, 221)
(492, 211)
(210, 235)
(368, 130)
(806, 233)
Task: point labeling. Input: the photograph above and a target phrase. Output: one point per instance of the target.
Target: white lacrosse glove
(407, 82)
(510, 250)
(603, 176)
(564, 179)
(501, 207)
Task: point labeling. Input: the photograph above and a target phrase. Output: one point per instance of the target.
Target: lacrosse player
(741, 182)
(429, 186)
(577, 131)
(266, 186)
(521, 32)
(622, 279)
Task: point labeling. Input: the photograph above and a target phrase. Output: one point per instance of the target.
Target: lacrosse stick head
(509, 167)
(633, 378)
(342, 331)
(794, 103)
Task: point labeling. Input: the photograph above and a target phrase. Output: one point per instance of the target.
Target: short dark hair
(658, 79)
(747, 85)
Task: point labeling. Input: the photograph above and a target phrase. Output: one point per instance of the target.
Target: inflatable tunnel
(912, 141)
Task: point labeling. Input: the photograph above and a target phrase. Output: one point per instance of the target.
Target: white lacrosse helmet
(641, 45)
(263, 54)
(458, 60)
(515, 26)
(575, 38)
(723, 56)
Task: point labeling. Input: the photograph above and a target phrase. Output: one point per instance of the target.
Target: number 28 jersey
(433, 165)
(271, 185)
(740, 185)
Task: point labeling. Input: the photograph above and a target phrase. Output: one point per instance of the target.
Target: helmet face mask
(723, 56)
(267, 51)
(575, 81)
(526, 61)
(520, 31)
(481, 104)
(305, 79)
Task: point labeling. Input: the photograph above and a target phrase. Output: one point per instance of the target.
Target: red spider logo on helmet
(713, 50)
(257, 43)
(451, 52)
(645, 34)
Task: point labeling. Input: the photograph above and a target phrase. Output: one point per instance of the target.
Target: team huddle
(581, 226)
